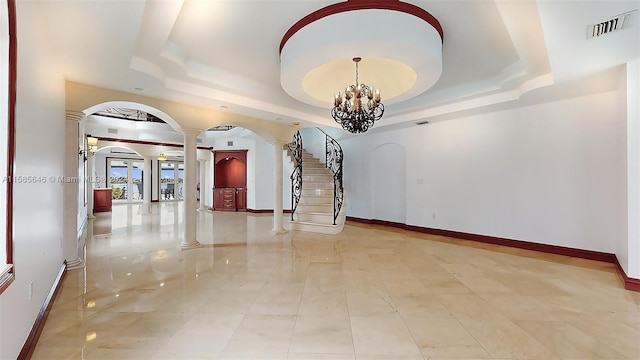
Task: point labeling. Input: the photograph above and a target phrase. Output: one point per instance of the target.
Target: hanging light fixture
(162, 157)
(360, 108)
(93, 144)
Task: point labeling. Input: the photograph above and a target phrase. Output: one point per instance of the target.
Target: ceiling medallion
(360, 108)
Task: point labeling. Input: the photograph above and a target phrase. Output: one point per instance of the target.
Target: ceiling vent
(229, 143)
(605, 27)
(112, 131)
(424, 122)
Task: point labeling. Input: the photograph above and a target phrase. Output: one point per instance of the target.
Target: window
(7, 112)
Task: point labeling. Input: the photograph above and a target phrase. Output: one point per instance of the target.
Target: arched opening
(106, 106)
(230, 180)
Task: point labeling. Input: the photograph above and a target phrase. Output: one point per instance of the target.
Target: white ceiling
(215, 53)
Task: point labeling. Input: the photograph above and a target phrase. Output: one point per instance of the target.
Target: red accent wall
(230, 170)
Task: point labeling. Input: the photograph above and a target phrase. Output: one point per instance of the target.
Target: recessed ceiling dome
(400, 45)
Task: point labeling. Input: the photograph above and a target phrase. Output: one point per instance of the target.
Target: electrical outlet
(30, 290)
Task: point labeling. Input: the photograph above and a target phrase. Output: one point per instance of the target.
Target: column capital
(191, 132)
(73, 115)
(279, 144)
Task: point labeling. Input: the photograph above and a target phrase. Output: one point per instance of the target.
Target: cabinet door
(218, 199)
(101, 200)
(241, 199)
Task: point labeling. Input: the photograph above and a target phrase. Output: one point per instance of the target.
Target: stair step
(316, 208)
(324, 218)
(317, 191)
(317, 179)
(315, 227)
(317, 200)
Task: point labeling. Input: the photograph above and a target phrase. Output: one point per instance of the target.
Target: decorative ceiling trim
(353, 5)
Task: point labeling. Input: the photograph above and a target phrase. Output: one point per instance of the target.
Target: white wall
(622, 244)
(314, 142)
(632, 261)
(263, 186)
(546, 173)
(389, 202)
(40, 130)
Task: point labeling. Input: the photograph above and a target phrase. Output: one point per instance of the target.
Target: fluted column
(190, 186)
(277, 188)
(146, 185)
(203, 178)
(71, 190)
(91, 163)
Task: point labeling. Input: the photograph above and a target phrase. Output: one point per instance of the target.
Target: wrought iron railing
(334, 157)
(295, 146)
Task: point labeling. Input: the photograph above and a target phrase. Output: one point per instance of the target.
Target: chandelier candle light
(360, 108)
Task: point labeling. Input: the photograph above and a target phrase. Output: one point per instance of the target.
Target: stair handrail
(295, 146)
(333, 162)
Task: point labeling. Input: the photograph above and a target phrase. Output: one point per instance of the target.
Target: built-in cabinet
(102, 200)
(230, 180)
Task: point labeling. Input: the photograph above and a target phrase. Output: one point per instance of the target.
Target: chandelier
(360, 108)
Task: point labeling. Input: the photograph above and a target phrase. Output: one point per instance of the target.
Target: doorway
(126, 179)
(171, 180)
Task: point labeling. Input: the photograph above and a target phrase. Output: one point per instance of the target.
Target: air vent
(229, 143)
(424, 122)
(605, 27)
(112, 131)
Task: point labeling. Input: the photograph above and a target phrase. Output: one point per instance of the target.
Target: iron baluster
(295, 146)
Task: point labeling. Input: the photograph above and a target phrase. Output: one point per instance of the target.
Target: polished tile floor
(369, 293)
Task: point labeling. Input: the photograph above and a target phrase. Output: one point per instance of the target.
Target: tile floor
(369, 293)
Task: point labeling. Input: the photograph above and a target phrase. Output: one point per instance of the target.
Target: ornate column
(71, 191)
(203, 178)
(277, 187)
(190, 187)
(146, 185)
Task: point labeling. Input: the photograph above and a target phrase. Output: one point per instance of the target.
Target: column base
(190, 245)
(75, 264)
(278, 231)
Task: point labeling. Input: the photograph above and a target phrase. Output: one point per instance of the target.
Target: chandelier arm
(353, 113)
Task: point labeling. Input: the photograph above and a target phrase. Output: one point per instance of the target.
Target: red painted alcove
(230, 170)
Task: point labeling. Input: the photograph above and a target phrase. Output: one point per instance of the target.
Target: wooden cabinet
(218, 202)
(229, 199)
(241, 199)
(101, 200)
(230, 180)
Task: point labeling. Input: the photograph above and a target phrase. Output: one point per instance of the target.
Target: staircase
(314, 212)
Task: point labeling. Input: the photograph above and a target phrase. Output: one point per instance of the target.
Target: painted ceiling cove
(226, 52)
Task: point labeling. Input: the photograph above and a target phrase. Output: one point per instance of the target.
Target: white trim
(4, 272)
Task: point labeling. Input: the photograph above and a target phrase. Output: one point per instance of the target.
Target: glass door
(180, 181)
(118, 179)
(167, 180)
(125, 179)
(137, 181)
(171, 180)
